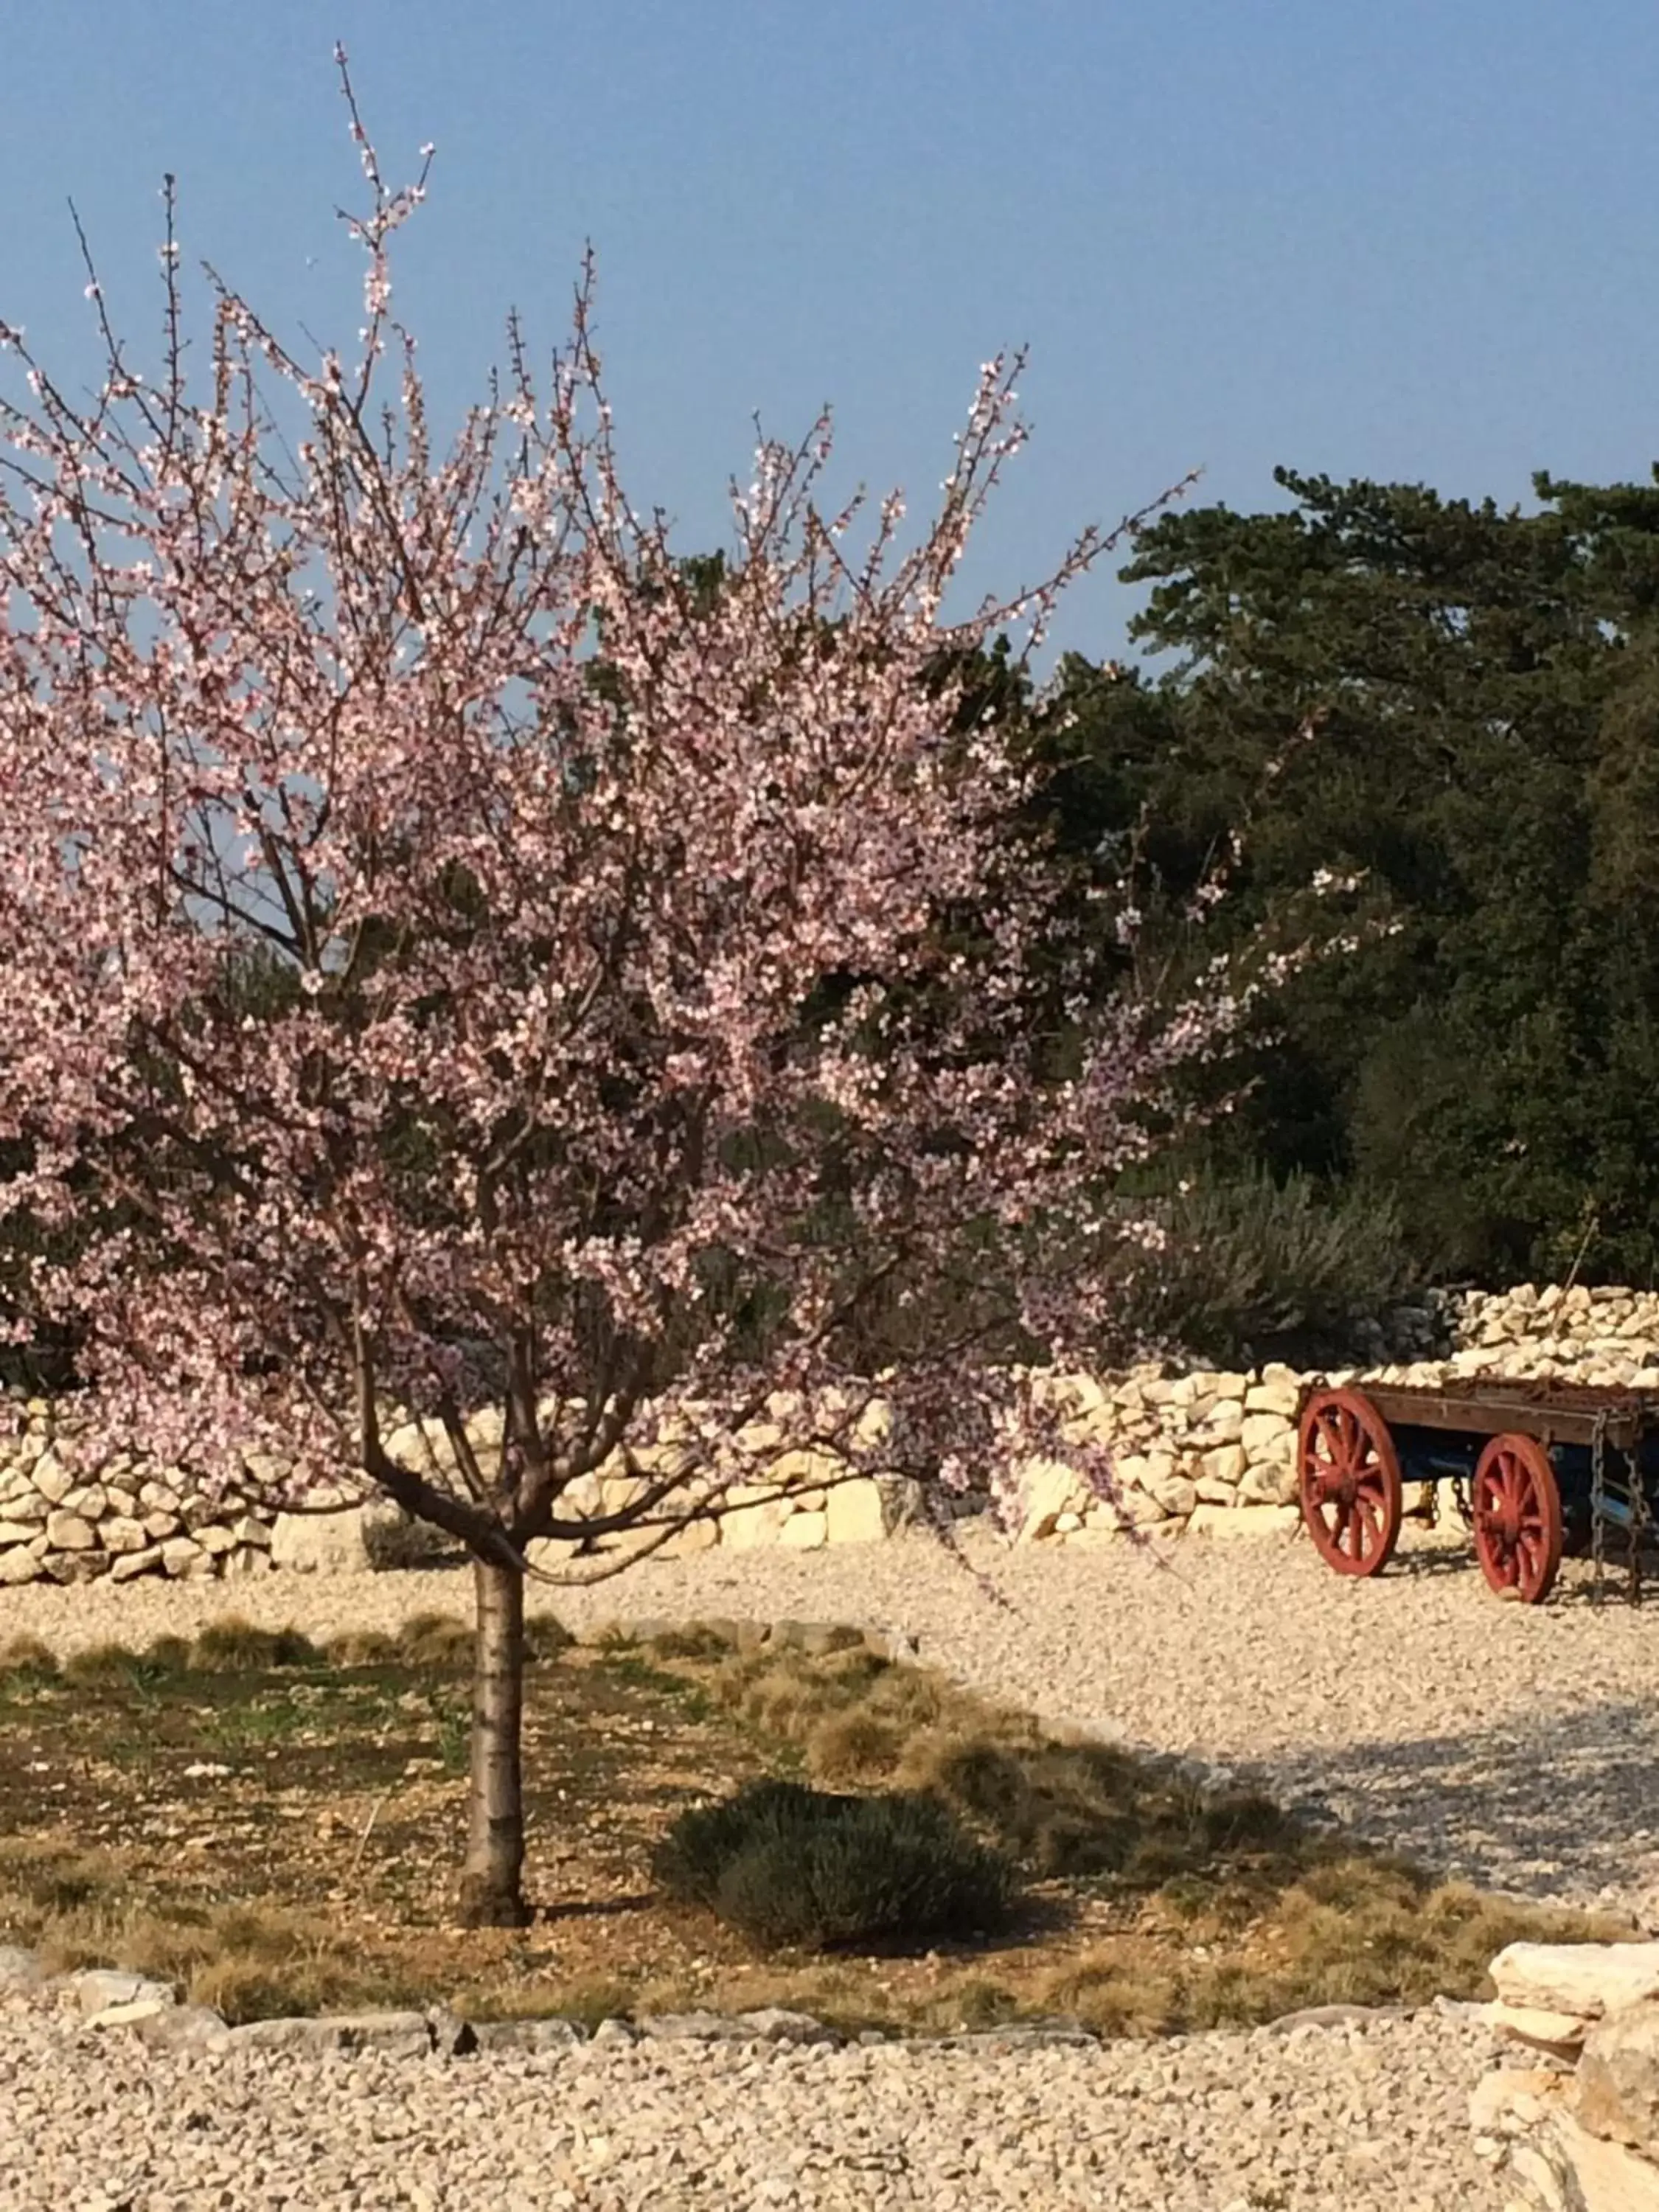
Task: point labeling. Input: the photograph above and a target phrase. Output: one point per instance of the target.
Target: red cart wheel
(1517, 1507)
(1349, 1475)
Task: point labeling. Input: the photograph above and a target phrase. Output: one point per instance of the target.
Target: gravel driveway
(1367, 2118)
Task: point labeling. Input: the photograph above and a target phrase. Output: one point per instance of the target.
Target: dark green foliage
(1461, 704)
(1258, 1270)
(794, 1867)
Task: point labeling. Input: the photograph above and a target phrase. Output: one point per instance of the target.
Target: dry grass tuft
(361, 1647)
(853, 1746)
(435, 1639)
(118, 1664)
(696, 1639)
(27, 1656)
(235, 1646)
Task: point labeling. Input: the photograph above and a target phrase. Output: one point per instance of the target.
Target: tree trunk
(490, 1893)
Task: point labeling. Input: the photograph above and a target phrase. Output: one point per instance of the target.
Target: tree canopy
(1460, 704)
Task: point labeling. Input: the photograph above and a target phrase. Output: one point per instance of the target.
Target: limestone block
(1590, 1980)
(798, 1471)
(18, 1565)
(95, 1989)
(699, 1535)
(245, 1559)
(1048, 1487)
(1619, 2077)
(128, 1565)
(746, 1528)
(805, 1532)
(52, 1478)
(1088, 1401)
(1606, 2177)
(216, 1539)
(760, 1436)
(621, 1493)
(68, 1532)
(118, 1534)
(1134, 1508)
(129, 2014)
(1223, 1466)
(874, 1424)
(1210, 1493)
(1269, 1485)
(1229, 1520)
(855, 1512)
(484, 1430)
(1267, 1436)
(1280, 1398)
(17, 1532)
(1224, 1422)
(581, 1499)
(1144, 1470)
(1176, 1494)
(398, 2034)
(1557, 2033)
(179, 1552)
(71, 1567)
(317, 1543)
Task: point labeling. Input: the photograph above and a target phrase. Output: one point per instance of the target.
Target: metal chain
(1598, 1502)
(1638, 1520)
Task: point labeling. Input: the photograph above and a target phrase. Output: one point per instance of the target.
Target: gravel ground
(1370, 2118)
(1515, 1744)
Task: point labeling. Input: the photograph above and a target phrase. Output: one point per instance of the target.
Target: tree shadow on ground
(1568, 1805)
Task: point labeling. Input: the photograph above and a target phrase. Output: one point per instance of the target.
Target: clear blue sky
(1409, 239)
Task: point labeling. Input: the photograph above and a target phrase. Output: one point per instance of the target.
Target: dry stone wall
(1572, 2123)
(1206, 1450)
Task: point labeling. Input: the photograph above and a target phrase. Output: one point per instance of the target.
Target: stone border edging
(111, 1997)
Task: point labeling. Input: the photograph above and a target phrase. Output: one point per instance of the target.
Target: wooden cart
(1538, 1468)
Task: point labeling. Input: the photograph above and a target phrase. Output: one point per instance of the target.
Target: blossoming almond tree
(457, 956)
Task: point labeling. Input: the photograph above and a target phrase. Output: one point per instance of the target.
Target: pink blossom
(414, 1004)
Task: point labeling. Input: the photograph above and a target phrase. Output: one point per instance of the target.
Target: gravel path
(1518, 1746)
(1370, 2118)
